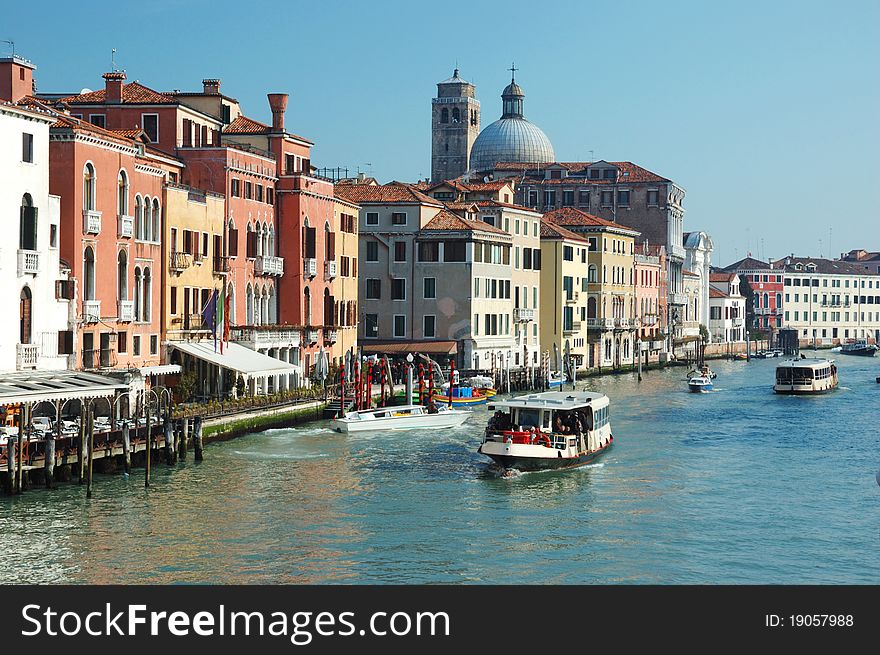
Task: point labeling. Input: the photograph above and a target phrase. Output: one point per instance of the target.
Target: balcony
(98, 358)
(329, 269)
(310, 267)
(762, 311)
(28, 262)
(91, 311)
(312, 335)
(267, 336)
(330, 336)
(125, 226)
(572, 328)
(26, 355)
(125, 310)
(678, 299)
(179, 261)
(91, 221)
(522, 315)
(600, 323)
(270, 265)
(221, 265)
(626, 323)
(572, 297)
(657, 345)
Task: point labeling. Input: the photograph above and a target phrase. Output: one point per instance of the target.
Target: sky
(766, 113)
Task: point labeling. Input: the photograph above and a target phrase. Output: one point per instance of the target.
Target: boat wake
(254, 454)
(502, 473)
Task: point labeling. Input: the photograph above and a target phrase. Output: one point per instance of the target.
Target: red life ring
(542, 439)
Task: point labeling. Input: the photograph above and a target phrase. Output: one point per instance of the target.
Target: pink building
(766, 282)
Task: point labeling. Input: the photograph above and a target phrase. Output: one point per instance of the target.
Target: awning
(37, 386)
(237, 358)
(404, 347)
(162, 369)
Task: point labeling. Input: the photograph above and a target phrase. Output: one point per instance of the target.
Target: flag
(226, 320)
(218, 321)
(209, 312)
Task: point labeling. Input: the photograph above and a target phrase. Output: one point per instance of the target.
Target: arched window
(249, 304)
(259, 238)
(122, 276)
(89, 187)
(230, 293)
(307, 306)
(122, 194)
(144, 220)
(148, 295)
(24, 332)
(264, 306)
(604, 274)
(157, 222)
(271, 250)
(591, 308)
(329, 243)
(273, 305)
(591, 273)
(456, 115)
(444, 115)
(766, 300)
(138, 294)
(138, 217)
(89, 274)
(27, 232)
(266, 251)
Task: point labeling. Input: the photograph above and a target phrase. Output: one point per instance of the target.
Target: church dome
(511, 138)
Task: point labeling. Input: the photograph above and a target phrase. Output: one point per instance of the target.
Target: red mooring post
(431, 380)
(382, 383)
(342, 390)
(451, 380)
(357, 385)
(421, 384)
(368, 397)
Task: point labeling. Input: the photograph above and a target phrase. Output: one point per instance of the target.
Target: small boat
(403, 417)
(704, 371)
(700, 383)
(804, 376)
(741, 357)
(462, 396)
(555, 379)
(482, 383)
(861, 347)
(777, 353)
(548, 430)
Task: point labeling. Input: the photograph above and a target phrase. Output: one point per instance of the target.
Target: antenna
(113, 59)
(830, 256)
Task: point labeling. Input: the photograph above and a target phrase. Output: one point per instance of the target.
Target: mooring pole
(91, 432)
(197, 438)
(149, 445)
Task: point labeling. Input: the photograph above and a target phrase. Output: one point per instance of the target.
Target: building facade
(726, 309)
(698, 248)
(766, 283)
(651, 300)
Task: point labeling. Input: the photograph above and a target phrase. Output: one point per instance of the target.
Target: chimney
(16, 78)
(278, 103)
(211, 87)
(113, 85)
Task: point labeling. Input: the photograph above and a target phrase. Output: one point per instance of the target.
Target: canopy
(37, 386)
(163, 369)
(237, 358)
(403, 347)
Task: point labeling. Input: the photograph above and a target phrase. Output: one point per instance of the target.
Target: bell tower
(455, 125)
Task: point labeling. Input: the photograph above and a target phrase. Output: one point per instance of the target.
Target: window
(429, 251)
(398, 218)
(606, 199)
(27, 233)
(623, 197)
(150, 125)
(584, 198)
(653, 198)
(398, 288)
(567, 198)
(89, 187)
(122, 342)
(399, 325)
(27, 147)
(400, 251)
(98, 119)
(136, 345)
(374, 289)
(236, 188)
(444, 115)
(430, 288)
(568, 253)
(372, 251)
(372, 218)
(429, 327)
(453, 251)
(270, 195)
(549, 198)
(533, 198)
(154, 344)
(259, 195)
(371, 326)
(248, 190)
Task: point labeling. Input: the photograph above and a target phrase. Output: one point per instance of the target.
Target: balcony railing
(125, 310)
(572, 296)
(269, 265)
(179, 261)
(91, 311)
(267, 335)
(26, 355)
(330, 336)
(97, 358)
(626, 323)
(91, 221)
(312, 335)
(125, 225)
(221, 265)
(193, 322)
(600, 323)
(571, 328)
(523, 315)
(310, 267)
(28, 262)
(329, 269)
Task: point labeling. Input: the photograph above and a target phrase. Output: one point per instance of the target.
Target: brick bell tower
(455, 125)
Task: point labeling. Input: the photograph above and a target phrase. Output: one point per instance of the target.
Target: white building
(830, 301)
(727, 309)
(30, 276)
(698, 249)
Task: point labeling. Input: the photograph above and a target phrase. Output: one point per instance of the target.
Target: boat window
(546, 421)
(529, 418)
(589, 414)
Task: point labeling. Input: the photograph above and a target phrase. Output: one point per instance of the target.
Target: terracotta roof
(446, 220)
(133, 92)
(464, 205)
(748, 264)
(721, 277)
(131, 134)
(460, 185)
(245, 125)
(552, 231)
(629, 172)
(715, 293)
(498, 203)
(828, 266)
(649, 249)
(393, 192)
(570, 216)
(688, 273)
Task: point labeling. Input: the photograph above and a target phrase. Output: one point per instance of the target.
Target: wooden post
(382, 383)
(126, 448)
(81, 444)
(49, 459)
(431, 380)
(451, 381)
(149, 444)
(421, 383)
(368, 387)
(23, 421)
(197, 438)
(11, 469)
(357, 384)
(91, 432)
(184, 437)
(342, 390)
(169, 440)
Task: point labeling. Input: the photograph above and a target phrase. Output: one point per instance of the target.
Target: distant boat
(741, 357)
(704, 371)
(861, 347)
(805, 376)
(406, 417)
(555, 379)
(700, 383)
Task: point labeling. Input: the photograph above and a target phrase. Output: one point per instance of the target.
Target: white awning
(37, 386)
(235, 357)
(162, 369)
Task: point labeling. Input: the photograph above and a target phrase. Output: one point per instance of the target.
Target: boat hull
(419, 422)
(545, 463)
(860, 352)
(461, 402)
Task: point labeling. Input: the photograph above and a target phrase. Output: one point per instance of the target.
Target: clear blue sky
(765, 112)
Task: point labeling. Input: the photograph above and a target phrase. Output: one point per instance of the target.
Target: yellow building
(564, 257)
(610, 311)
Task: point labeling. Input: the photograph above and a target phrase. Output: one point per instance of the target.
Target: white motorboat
(403, 417)
(700, 383)
(555, 380)
(802, 376)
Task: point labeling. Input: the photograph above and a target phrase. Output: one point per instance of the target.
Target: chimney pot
(113, 83)
(211, 86)
(278, 105)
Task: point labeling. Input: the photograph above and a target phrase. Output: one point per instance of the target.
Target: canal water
(734, 486)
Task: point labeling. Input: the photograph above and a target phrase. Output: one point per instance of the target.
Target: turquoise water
(734, 486)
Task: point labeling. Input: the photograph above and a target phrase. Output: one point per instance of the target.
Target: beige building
(564, 256)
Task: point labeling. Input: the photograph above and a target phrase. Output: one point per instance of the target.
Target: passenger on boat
(432, 408)
(561, 426)
(499, 421)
